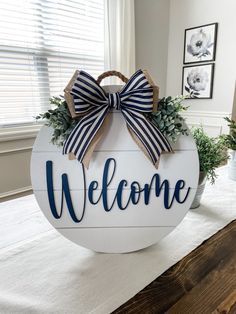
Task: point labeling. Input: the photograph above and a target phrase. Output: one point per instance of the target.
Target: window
(42, 43)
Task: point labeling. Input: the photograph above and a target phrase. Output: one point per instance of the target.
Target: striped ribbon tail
(148, 134)
(82, 135)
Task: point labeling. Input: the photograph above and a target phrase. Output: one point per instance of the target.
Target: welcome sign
(121, 203)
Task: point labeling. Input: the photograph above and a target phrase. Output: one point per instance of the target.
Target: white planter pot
(200, 189)
(232, 165)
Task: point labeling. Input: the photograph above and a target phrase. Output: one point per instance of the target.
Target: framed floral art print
(200, 43)
(197, 81)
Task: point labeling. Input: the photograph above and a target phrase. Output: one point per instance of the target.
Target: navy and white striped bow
(134, 100)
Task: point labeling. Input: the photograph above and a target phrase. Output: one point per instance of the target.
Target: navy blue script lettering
(135, 191)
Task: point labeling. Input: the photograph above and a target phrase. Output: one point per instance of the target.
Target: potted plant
(230, 142)
(212, 154)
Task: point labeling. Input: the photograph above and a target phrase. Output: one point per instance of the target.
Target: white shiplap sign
(121, 203)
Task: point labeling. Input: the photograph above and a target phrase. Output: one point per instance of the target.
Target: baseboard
(16, 192)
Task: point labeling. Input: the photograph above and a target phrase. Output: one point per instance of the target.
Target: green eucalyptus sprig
(59, 119)
(167, 118)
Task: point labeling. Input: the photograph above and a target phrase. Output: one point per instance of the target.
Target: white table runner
(42, 272)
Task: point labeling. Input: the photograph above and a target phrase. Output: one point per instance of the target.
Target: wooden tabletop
(203, 282)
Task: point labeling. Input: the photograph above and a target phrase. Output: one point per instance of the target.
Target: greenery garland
(167, 119)
(59, 119)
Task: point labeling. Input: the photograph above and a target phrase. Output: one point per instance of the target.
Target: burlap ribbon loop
(87, 99)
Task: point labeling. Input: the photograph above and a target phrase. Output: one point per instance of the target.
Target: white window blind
(42, 43)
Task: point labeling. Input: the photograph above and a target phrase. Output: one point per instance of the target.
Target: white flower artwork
(197, 81)
(200, 43)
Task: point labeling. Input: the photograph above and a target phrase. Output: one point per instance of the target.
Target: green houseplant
(230, 142)
(212, 154)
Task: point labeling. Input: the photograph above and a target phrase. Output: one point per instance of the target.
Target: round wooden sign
(121, 203)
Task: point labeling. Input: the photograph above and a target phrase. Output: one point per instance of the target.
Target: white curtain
(120, 36)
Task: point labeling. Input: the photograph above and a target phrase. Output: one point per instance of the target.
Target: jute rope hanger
(125, 80)
(112, 73)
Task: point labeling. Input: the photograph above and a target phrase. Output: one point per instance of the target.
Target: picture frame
(200, 43)
(197, 81)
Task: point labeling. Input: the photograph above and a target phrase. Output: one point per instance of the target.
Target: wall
(190, 13)
(15, 153)
(160, 28)
(151, 36)
(234, 105)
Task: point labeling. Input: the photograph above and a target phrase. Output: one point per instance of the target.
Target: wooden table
(203, 282)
